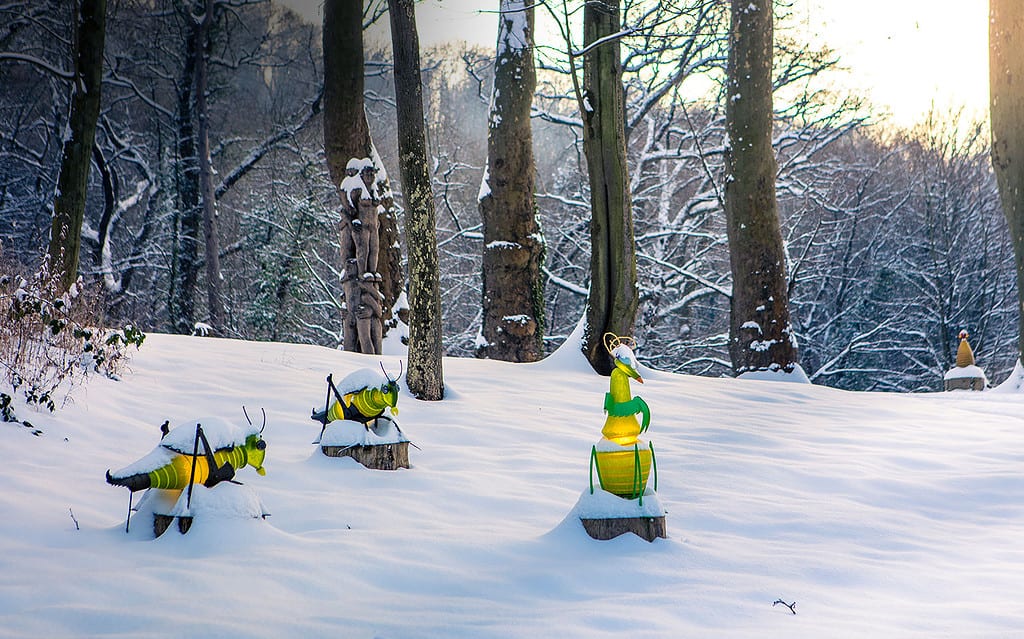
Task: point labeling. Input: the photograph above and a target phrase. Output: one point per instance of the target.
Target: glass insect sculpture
(203, 453)
(623, 462)
(360, 397)
(186, 456)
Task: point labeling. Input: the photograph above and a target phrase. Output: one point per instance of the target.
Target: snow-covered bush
(51, 341)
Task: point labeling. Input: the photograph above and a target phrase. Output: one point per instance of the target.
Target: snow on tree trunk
(760, 336)
(1006, 86)
(513, 291)
(424, 376)
(73, 181)
(613, 300)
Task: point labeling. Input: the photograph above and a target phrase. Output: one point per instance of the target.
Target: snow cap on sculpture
(624, 357)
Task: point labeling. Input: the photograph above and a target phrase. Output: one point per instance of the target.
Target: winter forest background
(895, 238)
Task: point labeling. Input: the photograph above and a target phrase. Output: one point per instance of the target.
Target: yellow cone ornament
(966, 375)
(964, 354)
(621, 460)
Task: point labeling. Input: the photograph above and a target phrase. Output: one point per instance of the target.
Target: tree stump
(966, 377)
(375, 456)
(648, 528)
(964, 383)
(162, 522)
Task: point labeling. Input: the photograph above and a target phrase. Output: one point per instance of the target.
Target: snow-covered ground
(880, 515)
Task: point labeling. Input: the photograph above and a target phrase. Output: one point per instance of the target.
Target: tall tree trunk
(101, 253)
(613, 300)
(346, 132)
(424, 376)
(513, 291)
(73, 182)
(347, 137)
(209, 203)
(185, 258)
(760, 336)
(389, 263)
(1006, 86)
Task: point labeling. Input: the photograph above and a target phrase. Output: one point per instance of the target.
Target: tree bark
(1006, 87)
(760, 336)
(513, 290)
(613, 300)
(209, 203)
(424, 376)
(346, 132)
(375, 456)
(73, 181)
(647, 528)
(185, 257)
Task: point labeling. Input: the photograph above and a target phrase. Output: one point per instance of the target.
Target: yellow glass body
(176, 473)
(370, 402)
(619, 473)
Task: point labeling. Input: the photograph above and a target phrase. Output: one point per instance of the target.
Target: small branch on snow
(792, 606)
(73, 519)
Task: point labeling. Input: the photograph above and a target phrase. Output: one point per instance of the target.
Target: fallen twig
(792, 606)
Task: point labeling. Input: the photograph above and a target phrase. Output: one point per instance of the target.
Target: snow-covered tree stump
(223, 501)
(376, 456)
(964, 383)
(649, 528)
(606, 516)
(383, 447)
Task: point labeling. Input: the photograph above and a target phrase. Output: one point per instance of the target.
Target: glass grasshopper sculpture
(185, 457)
(178, 461)
(359, 398)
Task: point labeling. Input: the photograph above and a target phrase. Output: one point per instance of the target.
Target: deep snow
(881, 515)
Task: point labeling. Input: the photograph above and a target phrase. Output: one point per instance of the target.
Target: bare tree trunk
(389, 264)
(185, 258)
(209, 202)
(346, 132)
(513, 291)
(1006, 86)
(72, 185)
(760, 336)
(108, 179)
(613, 300)
(424, 377)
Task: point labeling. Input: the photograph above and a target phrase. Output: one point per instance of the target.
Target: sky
(878, 514)
(905, 55)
